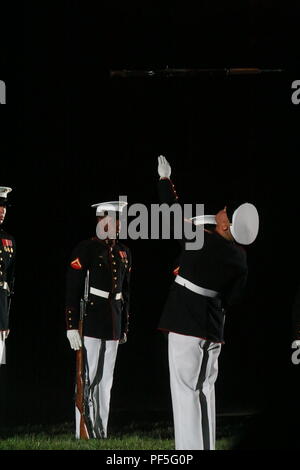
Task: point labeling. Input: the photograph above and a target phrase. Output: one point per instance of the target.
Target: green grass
(61, 438)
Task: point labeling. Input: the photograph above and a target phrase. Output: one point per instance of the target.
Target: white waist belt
(194, 288)
(103, 293)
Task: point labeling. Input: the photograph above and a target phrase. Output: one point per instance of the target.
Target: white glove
(4, 334)
(164, 168)
(123, 339)
(297, 342)
(74, 338)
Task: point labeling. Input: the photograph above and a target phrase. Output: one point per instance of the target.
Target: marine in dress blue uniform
(207, 282)
(7, 269)
(107, 314)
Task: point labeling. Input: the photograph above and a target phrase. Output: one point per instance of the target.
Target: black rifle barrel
(11, 292)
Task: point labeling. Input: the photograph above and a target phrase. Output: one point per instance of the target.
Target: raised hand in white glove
(297, 343)
(164, 168)
(74, 338)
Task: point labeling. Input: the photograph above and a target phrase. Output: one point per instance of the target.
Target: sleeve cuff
(71, 318)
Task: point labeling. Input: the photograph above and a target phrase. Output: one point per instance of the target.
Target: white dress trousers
(2, 352)
(101, 359)
(193, 364)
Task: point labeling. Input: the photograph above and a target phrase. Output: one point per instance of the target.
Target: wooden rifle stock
(84, 433)
(82, 391)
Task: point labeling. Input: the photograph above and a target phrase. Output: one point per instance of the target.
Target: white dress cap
(4, 190)
(204, 219)
(111, 206)
(245, 224)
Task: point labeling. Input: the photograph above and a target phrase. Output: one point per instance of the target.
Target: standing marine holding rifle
(7, 268)
(98, 280)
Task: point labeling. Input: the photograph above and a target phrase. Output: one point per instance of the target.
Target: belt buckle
(113, 295)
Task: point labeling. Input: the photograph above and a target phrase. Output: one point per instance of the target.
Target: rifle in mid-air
(82, 377)
(168, 72)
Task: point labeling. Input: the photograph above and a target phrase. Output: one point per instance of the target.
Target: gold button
(112, 256)
(92, 303)
(116, 285)
(114, 270)
(114, 262)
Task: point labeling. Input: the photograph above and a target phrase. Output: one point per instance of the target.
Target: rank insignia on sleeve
(76, 264)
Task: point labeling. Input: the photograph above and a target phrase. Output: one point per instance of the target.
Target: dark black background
(72, 136)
